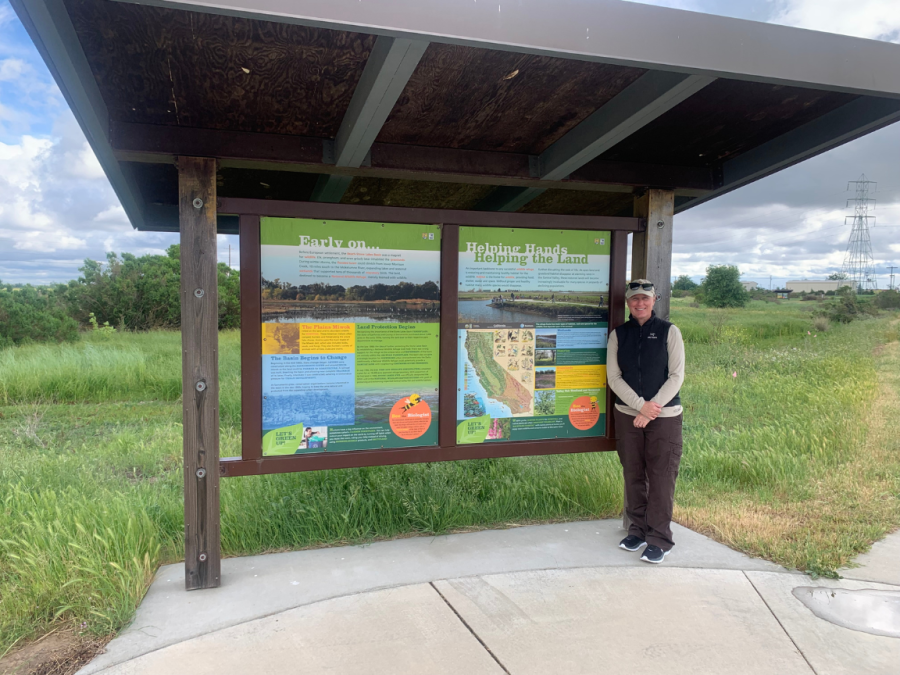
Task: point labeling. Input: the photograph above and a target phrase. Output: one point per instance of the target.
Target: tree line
(125, 292)
(276, 289)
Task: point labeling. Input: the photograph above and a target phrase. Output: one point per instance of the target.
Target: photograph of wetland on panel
(513, 306)
(350, 318)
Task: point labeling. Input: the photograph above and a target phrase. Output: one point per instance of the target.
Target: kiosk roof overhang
(543, 107)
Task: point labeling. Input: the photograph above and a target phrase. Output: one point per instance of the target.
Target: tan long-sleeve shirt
(634, 403)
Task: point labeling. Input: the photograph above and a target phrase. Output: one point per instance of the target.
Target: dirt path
(57, 653)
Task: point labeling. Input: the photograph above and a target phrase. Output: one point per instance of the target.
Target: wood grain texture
(449, 335)
(251, 340)
(651, 250)
(458, 97)
(580, 203)
(414, 194)
(723, 120)
(200, 364)
(618, 260)
(164, 66)
(324, 461)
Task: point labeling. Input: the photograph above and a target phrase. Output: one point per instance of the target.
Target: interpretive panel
(532, 328)
(350, 335)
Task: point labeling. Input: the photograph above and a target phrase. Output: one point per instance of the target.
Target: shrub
(684, 283)
(888, 300)
(821, 324)
(846, 308)
(722, 287)
(30, 314)
(809, 297)
(143, 293)
(680, 294)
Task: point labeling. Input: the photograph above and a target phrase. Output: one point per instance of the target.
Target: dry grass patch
(821, 526)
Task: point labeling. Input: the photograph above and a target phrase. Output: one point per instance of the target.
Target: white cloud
(6, 15)
(876, 19)
(12, 69)
(114, 214)
(55, 196)
(49, 240)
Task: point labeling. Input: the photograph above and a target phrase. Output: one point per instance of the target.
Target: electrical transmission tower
(859, 263)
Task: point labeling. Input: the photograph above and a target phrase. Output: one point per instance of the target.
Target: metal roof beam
(388, 69)
(653, 94)
(840, 126)
(650, 96)
(158, 144)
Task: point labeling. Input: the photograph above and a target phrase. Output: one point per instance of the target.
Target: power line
(859, 263)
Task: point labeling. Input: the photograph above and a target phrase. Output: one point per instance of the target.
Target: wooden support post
(651, 250)
(651, 257)
(200, 370)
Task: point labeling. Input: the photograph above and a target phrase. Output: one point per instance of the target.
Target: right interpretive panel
(532, 329)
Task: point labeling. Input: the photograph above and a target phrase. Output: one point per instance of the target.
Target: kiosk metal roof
(564, 107)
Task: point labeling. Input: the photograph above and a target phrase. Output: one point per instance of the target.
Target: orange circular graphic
(584, 412)
(410, 417)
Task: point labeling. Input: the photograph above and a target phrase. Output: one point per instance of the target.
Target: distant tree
(838, 276)
(722, 287)
(684, 283)
(143, 293)
(29, 314)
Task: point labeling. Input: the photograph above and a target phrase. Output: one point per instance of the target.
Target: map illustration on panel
(533, 317)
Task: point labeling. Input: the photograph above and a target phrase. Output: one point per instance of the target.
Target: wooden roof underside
(288, 110)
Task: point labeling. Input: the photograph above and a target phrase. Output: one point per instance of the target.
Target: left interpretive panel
(350, 335)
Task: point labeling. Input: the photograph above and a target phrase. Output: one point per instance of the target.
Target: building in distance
(818, 285)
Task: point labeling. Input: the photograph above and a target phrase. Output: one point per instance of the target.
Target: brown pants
(650, 459)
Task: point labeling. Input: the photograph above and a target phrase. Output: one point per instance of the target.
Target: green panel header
(349, 234)
(576, 242)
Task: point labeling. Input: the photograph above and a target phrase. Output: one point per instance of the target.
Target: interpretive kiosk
(396, 339)
(434, 200)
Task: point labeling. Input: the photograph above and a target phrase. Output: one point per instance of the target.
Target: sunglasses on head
(646, 287)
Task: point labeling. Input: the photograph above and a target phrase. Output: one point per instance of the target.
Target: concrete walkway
(542, 599)
(881, 563)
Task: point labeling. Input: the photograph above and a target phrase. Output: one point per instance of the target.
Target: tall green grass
(90, 462)
(116, 367)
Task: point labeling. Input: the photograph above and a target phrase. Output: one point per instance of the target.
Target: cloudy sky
(56, 207)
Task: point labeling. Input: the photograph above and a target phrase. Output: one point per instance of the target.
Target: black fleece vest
(643, 357)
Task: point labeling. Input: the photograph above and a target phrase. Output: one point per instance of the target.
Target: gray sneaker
(654, 554)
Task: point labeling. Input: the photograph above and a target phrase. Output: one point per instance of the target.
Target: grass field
(792, 459)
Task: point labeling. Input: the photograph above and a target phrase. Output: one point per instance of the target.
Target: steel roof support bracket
(388, 69)
(650, 96)
(844, 124)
